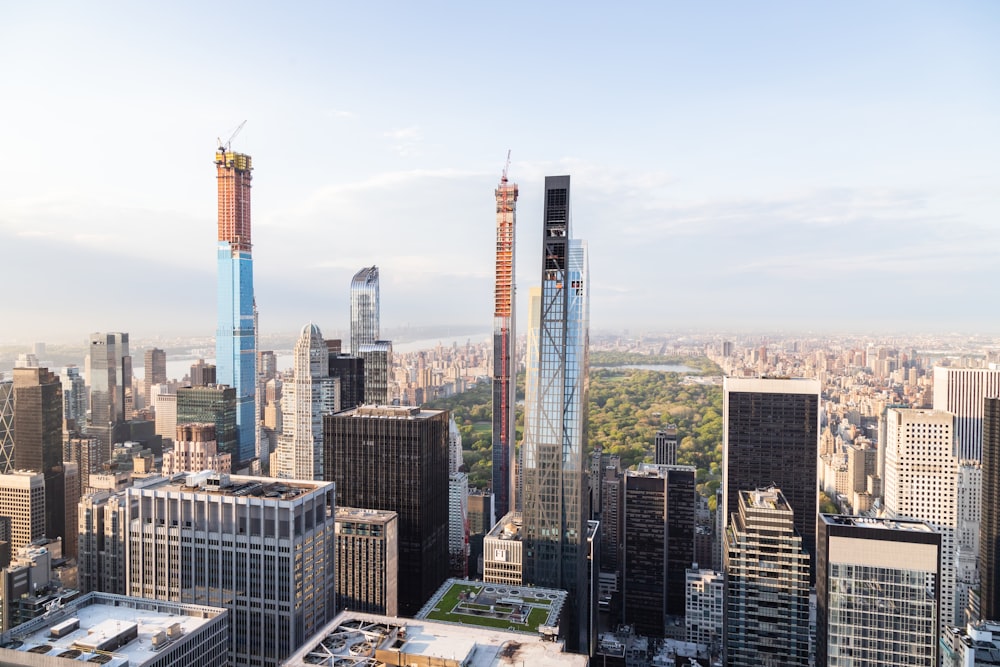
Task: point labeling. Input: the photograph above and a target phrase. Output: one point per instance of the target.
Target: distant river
(661, 368)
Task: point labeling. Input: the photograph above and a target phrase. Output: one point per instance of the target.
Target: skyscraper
(771, 436)
(310, 393)
(504, 349)
(216, 405)
(110, 378)
(961, 391)
(921, 476)
(877, 588)
(235, 339)
(989, 539)
(555, 511)
(659, 544)
(376, 359)
(367, 562)
(665, 452)
(396, 459)
(767, 584)
(6, 426)
(38, 412)
(364, 308)
(155, 371)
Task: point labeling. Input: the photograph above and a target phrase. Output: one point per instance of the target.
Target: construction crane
(503, 178)
(225, 146)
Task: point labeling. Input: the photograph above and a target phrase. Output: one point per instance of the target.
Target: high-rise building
(22, 498)
(38, 441)
(259, 547)
(480, 522)
(165, 405)
(155, 371)
(666, 445)
(396, 459)
(458, 525)
(235, 339)
(503, 552)
(704, 601)
(961, 391)
(767, 584)
(376, 359)
(203, 374)
(921, 478)
(74, 396)
(659, 544)
(195, 450)
(989, 535)
(309, 394)
(364, 308)
(504, 348)
(367, 561)
(877, 587)
(555, 471)
(215, 404)
(6, 426)
(110, 378)
(350, 370)
(771, 436)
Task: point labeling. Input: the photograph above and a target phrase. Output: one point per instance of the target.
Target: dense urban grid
(788, 500)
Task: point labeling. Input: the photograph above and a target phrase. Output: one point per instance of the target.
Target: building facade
(155, 371)
(555, 471)
(396, 459)
(705, 603)
(22, 498)
(6, 426)
(877, 586)
(367, 560)
(236, 337)
(961, 391)
(771, 436)
(38, 439)
(213, 404)
(110, 379)
(503, 552)
(376, 359)
(989, 531)
(364, 308)
(504, 348)
(665, 445)
(659, 544)
(195, 450)
(767, 584)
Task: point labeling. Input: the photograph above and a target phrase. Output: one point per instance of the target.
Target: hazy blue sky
(748, 165)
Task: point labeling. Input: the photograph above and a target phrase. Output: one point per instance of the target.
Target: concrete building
(503, 552)
(195, 450)
(704, 607)
(765, 560)
(921, 479)
(877, 588)
(989, 531)
(376, 358)
(367, 560)
(22, 498)
(396, 459)
(119, 631)
(165, 408)
(665, 445)
(961, 391)
(395, 641)
(213, 404)
(154, 372)
(975, 645)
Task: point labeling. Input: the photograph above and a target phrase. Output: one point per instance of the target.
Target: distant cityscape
(241, 499)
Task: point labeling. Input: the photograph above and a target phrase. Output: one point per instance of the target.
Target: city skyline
(804, 153)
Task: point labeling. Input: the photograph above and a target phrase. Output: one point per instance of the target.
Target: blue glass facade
(235, 357)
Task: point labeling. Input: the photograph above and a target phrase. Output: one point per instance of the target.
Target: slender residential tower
(555, 508)
(235, 345)
(364, 308)
(504, 349)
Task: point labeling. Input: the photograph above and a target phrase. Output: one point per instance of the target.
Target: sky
(740, 166)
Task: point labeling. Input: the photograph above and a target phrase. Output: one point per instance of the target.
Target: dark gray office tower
(215, 404)
(377, 363)
(396, 458)
(110, 381)
(659, 544)
(351, 371)
(38, 421)
(155, 371)
(989, 527)
(555, 470)
(771, 437)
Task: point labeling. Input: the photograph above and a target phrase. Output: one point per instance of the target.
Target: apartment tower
(555, 470)
(155, 372)
(364, 308)
(504, 348)
(38, 439)
(235, 340)
(961, 391)
(367, 562)
(989, 528)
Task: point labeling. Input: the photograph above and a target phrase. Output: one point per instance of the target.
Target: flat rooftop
(364, 515)
(100, 621)
(389, 412)
(523, 609)
(911, 525)
(366, 640)
(208, 481)
(507, 528)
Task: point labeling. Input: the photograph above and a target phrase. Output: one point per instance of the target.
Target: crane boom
(503, 179)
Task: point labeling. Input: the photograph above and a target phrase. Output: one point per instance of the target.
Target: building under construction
(504, 348)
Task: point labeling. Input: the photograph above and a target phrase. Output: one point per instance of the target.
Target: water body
(660, 368)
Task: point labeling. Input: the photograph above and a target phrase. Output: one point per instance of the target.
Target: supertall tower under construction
(235, 356)
(504, 349)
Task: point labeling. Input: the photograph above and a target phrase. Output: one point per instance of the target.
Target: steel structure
(504, 349)
(235, 341)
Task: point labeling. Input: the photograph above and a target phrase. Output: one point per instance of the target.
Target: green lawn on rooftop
(445, 610)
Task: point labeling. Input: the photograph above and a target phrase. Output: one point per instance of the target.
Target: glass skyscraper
(235, 347)
(364, 308)
(555, 508)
